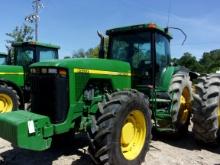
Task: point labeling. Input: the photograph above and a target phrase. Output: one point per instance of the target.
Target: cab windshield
(24, 56)
(134, 48)
(27, 56)
(47, 54)
(2, 60)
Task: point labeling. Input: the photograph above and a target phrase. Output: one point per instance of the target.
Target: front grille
(50, 96)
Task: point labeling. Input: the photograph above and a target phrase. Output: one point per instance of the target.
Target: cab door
(162, 56)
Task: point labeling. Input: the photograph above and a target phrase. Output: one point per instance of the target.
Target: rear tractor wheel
(121, 132)
(206, 109)
(9, 100)
(181, 93)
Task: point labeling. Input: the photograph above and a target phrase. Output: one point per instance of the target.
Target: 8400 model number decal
(92, 71)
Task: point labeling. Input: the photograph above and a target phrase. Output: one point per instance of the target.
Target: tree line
(209, 63)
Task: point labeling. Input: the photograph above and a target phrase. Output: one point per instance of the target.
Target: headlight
(60, 71)
(52, 71)
(33, 70)
(43, 70)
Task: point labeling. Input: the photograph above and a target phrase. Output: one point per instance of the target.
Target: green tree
(90, 53)
(190, 62)
(20, 34)
(79, 54)
(23, 33)
(94, 52)
(174, 61)
(211, 61)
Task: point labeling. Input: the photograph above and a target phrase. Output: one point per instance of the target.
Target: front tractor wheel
(121, 132)
(133, 134)
(9, 99)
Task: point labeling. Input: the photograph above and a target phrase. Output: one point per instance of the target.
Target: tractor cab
(145, 47)
(14, 76)
(3, 58)
(26, 53)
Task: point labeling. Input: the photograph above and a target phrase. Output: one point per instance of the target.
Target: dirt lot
(163, 151)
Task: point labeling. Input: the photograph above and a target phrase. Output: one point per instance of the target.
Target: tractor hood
(88, 63)
(12, 73)
(10, 69)
(81, 70)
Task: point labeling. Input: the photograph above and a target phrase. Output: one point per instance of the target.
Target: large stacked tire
(121, 131)
(9, 99)
(206, 109)
(180, 92)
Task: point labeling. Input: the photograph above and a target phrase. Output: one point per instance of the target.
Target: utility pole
(34, 18)
(37, 18)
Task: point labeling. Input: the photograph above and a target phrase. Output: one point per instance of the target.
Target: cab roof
(140, 27)
(34, 43)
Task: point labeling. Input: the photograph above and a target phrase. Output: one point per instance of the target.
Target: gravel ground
(163, 151)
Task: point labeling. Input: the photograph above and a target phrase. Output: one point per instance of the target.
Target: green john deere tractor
(206, 109)
(14, 82)
(3, 58)
(114, 99)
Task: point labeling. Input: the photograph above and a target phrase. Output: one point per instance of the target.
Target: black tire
(181, 112)
(106, 131)
(9, 98)
(206, 108)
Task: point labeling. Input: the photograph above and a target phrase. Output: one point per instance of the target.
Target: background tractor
(14, 82)
(3, 58)
(206, 109)
(113, 98)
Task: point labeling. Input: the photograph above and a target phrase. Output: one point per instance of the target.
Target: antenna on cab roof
(185, 36)
(169, 27)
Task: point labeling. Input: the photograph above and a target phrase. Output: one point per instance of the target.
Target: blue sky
(73, 24)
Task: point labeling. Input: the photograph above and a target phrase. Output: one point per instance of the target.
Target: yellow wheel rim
(185, 106)
(133, 134)
(6, 103)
